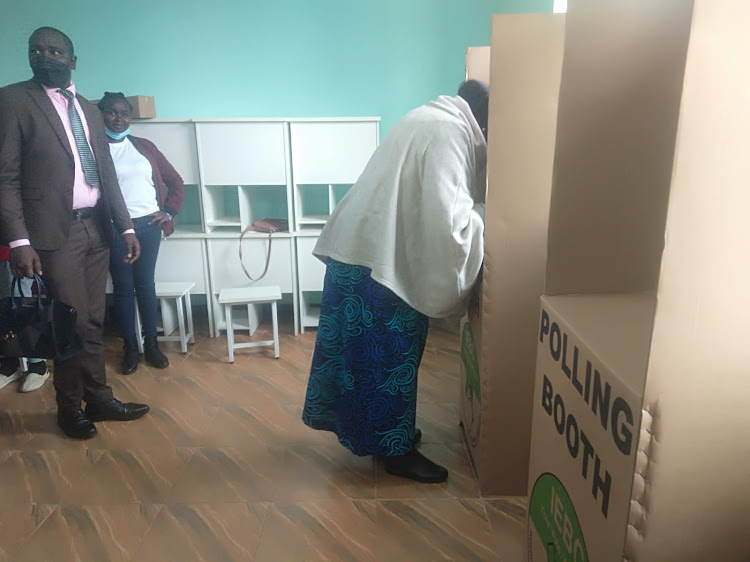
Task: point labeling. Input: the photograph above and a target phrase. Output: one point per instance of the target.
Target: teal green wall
(275, 58)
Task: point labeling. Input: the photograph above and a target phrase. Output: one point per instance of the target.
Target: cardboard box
(499, 337)
(639, 443)
(144, 107)
(478, 64)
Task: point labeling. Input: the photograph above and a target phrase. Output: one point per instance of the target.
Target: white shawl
(416, 214)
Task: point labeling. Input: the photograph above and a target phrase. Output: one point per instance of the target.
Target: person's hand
(159, 217)
(25, 262)
(132, 247)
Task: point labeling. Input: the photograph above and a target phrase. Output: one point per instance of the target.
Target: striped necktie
(90, 171)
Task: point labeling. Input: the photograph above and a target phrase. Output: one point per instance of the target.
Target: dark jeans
(137, 279)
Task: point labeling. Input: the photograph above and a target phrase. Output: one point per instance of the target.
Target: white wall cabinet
(311, 272)
(183, 259)
(242, 153)
(238, 171)
(176, 140)
(327, 159)
(331, 152)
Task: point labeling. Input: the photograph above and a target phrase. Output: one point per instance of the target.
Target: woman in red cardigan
(153, 192)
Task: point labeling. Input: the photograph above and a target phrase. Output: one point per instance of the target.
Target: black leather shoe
(130, 357)
(114, 410)
(153, 355)
(75, 424)
(417, 467)
(417, 435)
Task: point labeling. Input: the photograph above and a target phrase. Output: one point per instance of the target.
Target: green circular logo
(555, 520)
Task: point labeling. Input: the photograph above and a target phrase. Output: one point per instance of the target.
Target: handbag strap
(268, 255)
(16, 285)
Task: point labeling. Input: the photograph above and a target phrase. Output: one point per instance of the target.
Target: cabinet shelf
(188, 230)
(224, 221)
(222, 207)
(310, 308)
(189, 216)
(316, 202)
(319, 219)
(339, 192)
(263, 201)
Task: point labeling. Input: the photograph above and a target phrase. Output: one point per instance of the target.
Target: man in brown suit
(59, 197)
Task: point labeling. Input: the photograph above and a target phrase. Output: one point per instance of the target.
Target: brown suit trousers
(76, 274)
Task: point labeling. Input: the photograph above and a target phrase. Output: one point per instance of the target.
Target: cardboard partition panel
(498, 337)
(639, 448)
(591, 365)
(619, 106)
(478, 64)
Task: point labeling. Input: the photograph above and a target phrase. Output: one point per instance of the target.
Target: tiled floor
(223, 469)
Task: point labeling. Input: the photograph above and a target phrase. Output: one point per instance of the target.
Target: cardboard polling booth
(478, 64)
(498, 339)
(640, 448)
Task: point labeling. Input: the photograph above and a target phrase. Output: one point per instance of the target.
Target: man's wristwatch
(168, 215)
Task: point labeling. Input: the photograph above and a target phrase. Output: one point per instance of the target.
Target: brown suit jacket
(37, 170)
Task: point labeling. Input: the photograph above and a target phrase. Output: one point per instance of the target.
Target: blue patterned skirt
(363, 380)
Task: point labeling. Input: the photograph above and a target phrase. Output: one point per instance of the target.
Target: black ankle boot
(153, 355)
(416, 466)
(130, 357)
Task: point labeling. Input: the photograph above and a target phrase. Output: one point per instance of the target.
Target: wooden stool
(177, 291)
(247, 296)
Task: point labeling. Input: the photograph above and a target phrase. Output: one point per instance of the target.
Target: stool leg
(166, 316)
(230, 331)
(275, 329)
(181, 325)
(24, 364)
(189, 307)
(138, 328)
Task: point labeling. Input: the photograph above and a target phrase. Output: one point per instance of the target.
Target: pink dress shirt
(84, 195)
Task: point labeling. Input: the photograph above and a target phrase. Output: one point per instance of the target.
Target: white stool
(248, 296)
(177, 291)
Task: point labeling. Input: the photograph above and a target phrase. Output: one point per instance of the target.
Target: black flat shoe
(130, 357)
(75, 424)
(417, 435)
(416, 466)
(114, 410)
(153, 355)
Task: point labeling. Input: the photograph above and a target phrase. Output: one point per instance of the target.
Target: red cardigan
(170, 189)
(4, 253)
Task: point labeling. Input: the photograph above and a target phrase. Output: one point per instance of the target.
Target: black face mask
(51, 72)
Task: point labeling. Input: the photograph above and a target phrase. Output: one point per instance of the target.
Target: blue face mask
(117, 136)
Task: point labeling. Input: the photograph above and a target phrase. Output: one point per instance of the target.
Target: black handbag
(37, 326)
